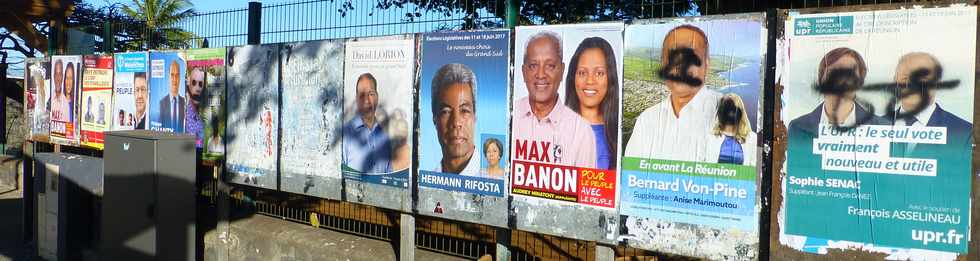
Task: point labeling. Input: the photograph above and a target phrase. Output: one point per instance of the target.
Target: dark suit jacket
(178, 125)
(958, 137)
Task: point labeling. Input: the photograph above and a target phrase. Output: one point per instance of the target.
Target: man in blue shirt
(367, 148)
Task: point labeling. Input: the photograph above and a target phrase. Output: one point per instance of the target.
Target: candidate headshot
(678, 128)
(172, 106)
(733, 141)
(194, 123)
(142, 93)
(540, 116)
(366, 146)
(592, 91)
(493, 151)
(918, 76)
(454, 115)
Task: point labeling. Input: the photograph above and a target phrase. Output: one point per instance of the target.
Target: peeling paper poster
(37, 97)
(879, 129)
(253, 115)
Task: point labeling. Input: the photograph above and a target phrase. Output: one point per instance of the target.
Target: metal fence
(328, 19)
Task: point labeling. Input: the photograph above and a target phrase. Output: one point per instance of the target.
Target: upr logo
(926, 237)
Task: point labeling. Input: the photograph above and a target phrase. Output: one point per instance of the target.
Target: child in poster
(37, 76)
(130, 92)
(463, 149)
(168, 98)
(692, 97)
(97, 97)
(880, 134)
(65, 80)
(379, 80)
(565, 125)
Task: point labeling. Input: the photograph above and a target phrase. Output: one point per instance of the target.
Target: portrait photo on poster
(205, 88)
(565, 128)
(464, 85)
(66, 81)
(692, 97)
(131, 91)
(168, 95)
(879, 132)
(37, 98)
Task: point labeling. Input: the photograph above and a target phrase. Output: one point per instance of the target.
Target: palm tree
(161, 18)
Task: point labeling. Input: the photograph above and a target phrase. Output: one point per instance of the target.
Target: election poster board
(96, 99)
(168, 96)
(379, 92)
(205, 92)
(463, 144)
(312, 89)
(66, 83)
(880, 123)
(691, 118)
(130, 91)
(37, 97)
(565, 130)
(252, 136)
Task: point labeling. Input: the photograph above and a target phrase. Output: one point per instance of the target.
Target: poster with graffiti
(565, 129)
(690, 116)
(880, 124)
(312, 90)
(168, 97)
(96, 99)
(253, 115)
(130, 91)
(205, 96)
(37, 97)
(463, 143)
(379, 89)
(66, 82)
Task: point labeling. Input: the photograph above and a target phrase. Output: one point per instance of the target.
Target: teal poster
(880, 134)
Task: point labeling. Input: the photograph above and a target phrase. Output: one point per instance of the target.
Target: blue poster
(168, 95)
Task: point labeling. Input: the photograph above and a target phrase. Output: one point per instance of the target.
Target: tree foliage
(161, 19)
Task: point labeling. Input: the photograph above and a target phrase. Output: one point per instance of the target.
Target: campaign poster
(168, 100)
(96, 99)
(462, 152)
(880, 112)
(66, 83)
(252, 136)
(37, 97)
(130, 91)
(565, 129)
(690, 116)
(312, 92)
(379, 92)
(205, 92)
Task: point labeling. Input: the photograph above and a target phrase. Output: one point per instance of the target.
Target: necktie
(173, 111)
(910, 121)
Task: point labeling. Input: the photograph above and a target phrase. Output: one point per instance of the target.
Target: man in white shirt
(454, 115)
(679, 127)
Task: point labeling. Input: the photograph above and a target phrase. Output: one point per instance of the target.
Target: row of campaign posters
(647, 133)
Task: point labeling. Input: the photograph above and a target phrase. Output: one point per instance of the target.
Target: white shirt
(658, 134)
(849, 121)
(472, 168)
(921, 119)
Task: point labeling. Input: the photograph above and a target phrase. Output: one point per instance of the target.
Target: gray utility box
(67, 189)
(149, 203)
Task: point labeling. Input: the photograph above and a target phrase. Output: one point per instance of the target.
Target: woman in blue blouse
(592, 90)
(732, 141)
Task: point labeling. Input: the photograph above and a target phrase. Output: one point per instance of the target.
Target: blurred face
(195, 85)
(678, 42)
(455, 119)
(591, 82)
(367, 98)
(542, 71)
(493, 155)
(69, 82)
(59, 72)
(846, 62)
(912, 99)
(139, 88)
(174, 79)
